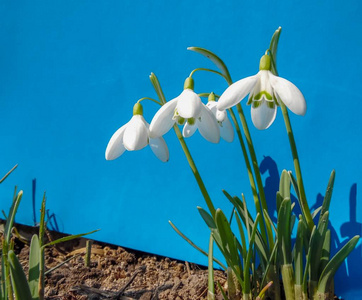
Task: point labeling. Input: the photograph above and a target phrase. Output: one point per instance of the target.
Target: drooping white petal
(219, 114)
(227, 130)
(236, 92)
(189, 104)
(189, 130)
(160, 149)
(136, 134)
(289, 94)
(263, 116)
(115, 146)
(208, 126)
(163, 120)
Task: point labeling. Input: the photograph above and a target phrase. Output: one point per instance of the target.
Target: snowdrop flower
(226, 129)
(134, 135)
(267, 91)
(186, 108)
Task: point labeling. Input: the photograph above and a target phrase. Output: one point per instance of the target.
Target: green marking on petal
(260, 94)
(270, 104)
(256, 104)
(180, 121)
(191, 121)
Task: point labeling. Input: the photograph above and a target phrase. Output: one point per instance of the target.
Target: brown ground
(117, 273)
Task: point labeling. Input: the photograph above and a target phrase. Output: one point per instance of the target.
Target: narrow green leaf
(326, 252)
(270, 221)
(207, 218)
(157, 87)
(298, 259)
(334, 264)
(8, 173)
(279, 199)
(316, 211)
(270, 262)
(316, 247)
(227, 236)
(284, 184)
(42, 225)
(18, 278)
(194, 245)
(308, 261)
(273, 49)
(242, 237)
(11, 216)
(211, 286)
(283, 228)
(215, 59)
(68, 238)
(222, 291)
(259, 242)
(248, 257)
(328, 195)
(34, 262)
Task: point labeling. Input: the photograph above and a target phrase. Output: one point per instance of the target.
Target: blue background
(70, 72)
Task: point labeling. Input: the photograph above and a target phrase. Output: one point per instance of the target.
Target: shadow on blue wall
(352, 267)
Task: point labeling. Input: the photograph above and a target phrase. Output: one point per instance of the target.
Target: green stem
(208, 70)
(259, 181)
(148, 98)
(211, 286)
(302, 196)
(41, 273)
(288, 281)
(248, 167)
(196, 173)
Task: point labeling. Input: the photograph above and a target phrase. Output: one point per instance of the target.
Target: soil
(114, 272)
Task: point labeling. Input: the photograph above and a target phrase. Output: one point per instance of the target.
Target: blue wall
(70, 72)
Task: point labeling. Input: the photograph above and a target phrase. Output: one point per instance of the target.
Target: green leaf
(227, 236)
(326, 252)
(157, 87)
(328, 195)
(222, 291)
(18, 278)
(211, 287)
(11, 216)
(8, 173)
(284, 220)
(298, 259)
(259, 242)
(42, 225)
(284, 185)
(215, 59)
(273, 50)
(308, 261)
(242, 237)
(68, 238)
(249, 255)
(334, 264)
(34, 263)
(194, 245)
(316, 245)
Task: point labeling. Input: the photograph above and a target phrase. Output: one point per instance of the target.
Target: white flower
(134, 135)
(226, 129)
(266, 92)
(187, 107)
